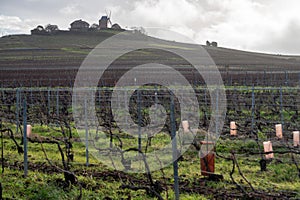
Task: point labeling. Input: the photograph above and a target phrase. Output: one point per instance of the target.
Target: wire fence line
(254, 109)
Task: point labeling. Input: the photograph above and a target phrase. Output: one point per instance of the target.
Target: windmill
(103, 22)
(109, 17)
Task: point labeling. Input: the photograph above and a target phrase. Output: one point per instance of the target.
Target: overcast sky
(256, 25)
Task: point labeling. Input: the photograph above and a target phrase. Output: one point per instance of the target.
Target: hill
(38, 57)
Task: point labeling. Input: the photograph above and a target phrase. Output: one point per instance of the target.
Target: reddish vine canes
(69, 176)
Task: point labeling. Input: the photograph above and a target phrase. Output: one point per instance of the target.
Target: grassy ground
(100, 182)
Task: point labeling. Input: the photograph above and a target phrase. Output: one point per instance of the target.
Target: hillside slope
(41, 57)
(68, 46)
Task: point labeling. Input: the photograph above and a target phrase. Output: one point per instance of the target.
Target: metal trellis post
(174, 148)
(252, 110)
(25, 137)
(139, 120)
(86, 133)
(281, 108)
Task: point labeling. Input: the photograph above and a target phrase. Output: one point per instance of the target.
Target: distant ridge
(82, 43)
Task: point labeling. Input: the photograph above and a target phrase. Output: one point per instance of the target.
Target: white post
(233, 129)
(186, 126)
(296, 138)
(268, 148)
(29, 130)
(278, 128)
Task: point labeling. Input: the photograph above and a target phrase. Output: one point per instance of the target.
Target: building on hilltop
(79, 25)
(103, 22)
(212, 44)
(116, 27)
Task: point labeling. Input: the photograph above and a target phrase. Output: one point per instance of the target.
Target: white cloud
(245, 24)
(256, 25)
(286, 41)
(184, 16)
(72, 9)
(14, 24)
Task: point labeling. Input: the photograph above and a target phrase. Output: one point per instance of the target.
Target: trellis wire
(282, 99)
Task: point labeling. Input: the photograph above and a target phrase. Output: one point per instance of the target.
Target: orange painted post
(278, 128)
(233, 129)
(296, 138)
(207, 160)
(268, 148)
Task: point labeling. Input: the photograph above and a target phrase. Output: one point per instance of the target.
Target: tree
(139, 30)
(40, 28)
(51, 28)
(94, 27)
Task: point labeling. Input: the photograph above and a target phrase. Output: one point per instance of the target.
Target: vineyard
(54, 147)
(50, 143)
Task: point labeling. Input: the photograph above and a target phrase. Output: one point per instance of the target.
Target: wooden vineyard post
(233, 129)
(296, 138)
(207, 159)
(278, 128)
(268, 148)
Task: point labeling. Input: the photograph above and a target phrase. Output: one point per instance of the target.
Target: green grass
(280, 176)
